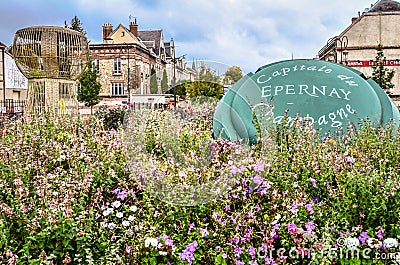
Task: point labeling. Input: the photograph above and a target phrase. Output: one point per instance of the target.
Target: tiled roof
(385, 6)
(152, 35)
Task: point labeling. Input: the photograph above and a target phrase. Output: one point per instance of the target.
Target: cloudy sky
(247, 33)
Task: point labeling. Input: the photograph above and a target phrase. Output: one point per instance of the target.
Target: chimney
(107, 29)
(133, 28)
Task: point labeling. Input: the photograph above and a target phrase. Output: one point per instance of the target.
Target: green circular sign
(327, 95)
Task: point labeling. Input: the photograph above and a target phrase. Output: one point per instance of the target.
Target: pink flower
(309, 208)
(292, 228)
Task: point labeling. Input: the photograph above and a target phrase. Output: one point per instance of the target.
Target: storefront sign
(371, 63)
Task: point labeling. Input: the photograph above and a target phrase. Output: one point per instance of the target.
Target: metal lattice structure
(51, 58)
(50, 52)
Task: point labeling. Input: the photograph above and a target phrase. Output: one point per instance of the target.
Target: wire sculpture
(52, 58)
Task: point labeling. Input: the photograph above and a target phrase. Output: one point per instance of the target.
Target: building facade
(356, 45)
(13, 84)
(125, 59)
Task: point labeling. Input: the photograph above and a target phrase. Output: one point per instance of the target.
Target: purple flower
(363, 237)
(309, 227)
(379, 233)
(168, 241)
(309, 208)
(313, 182)
(258, 180)
(239, 263)
(190, 227)
(350, 159)
(122, 194)
(252, 251)
(204, 232)
(292, 228)
(234, 170)
(187, 254)
(227, 207)
(276, 227)
(237, 251)
(259, 167)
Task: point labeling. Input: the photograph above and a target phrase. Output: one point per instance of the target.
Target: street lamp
(174, 60)
(129, 77)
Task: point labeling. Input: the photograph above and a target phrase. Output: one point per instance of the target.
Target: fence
(12, 107)
(147, 105)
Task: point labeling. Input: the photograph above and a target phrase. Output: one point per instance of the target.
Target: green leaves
(382, 75)
(89, 89)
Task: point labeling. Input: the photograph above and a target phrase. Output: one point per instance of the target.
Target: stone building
(124, 62)
(356, 45)
(125, 59)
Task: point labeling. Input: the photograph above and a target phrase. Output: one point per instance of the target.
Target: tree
(153, 82)
(381, 75)
(76, 24)
(208, 84)
(89, 88)
(232, 75)
(164, 82)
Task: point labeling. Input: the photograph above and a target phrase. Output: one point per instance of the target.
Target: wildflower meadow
(158, 188)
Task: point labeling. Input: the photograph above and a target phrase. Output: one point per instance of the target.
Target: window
(64, 89)
(117, 89)
(38, 96)
(96, 66)
(117, 66)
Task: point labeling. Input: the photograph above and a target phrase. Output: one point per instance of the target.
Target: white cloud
(247, 33)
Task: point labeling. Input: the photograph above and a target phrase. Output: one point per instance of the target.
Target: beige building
(125, 59)
(356, 45)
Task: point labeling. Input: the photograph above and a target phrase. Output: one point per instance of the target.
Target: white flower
(390, 243)
(276, 219)
(107, 212)
(55, 193)
(125, 223)
(162, 253)
(133, 208)
(351, 242)
(112, 225)
(116, 204)
(373, 242)
(104, 224)
(151, 241)
(119, 215)
(131, 218)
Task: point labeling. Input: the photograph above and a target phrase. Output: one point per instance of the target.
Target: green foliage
(232, 75)
(204, 88)
(207, 84)
(164, 82)
(153, 82)
(206, 74)
(112, 118)
(381, 75)
(89, 88)
(70, 194)
(76, 24)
